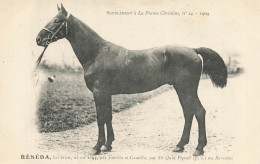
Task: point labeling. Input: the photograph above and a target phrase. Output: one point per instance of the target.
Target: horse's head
(54, 30)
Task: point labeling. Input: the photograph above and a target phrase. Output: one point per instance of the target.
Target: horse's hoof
(106, 148)
(94, 152)
(178, 149)
(198, 152)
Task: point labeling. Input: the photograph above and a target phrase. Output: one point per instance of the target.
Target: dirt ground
(155, 126)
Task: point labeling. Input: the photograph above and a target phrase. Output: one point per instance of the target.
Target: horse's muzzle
(41, 42)
(43, 39)
(38, 41)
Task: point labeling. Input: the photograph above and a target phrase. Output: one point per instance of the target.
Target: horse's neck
(84, 41)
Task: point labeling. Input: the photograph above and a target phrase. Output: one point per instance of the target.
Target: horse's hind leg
(186, 103)
(200, 116)
(191, 106)
(186, 133)
(186, 87)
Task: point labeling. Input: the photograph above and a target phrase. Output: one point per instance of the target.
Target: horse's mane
(85, 27)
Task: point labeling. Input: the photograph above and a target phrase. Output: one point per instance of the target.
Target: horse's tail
(213, 66)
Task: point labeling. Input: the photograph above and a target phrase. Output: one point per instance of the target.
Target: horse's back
(152, 56)
(175, 52)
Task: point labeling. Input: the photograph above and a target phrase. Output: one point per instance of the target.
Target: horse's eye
(56, 20)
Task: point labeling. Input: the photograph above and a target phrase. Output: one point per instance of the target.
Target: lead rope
(40, 58)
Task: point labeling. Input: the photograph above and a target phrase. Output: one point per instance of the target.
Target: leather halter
(53, 34)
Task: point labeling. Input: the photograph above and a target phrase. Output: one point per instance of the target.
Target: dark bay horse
(110, 69)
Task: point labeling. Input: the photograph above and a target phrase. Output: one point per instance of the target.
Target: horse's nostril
(38, 40)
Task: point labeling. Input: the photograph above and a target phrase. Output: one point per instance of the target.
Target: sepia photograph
(129, 81)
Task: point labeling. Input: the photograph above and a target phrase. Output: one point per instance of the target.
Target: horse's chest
(89, 79)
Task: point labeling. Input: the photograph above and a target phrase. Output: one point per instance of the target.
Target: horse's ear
(58, 7)
(63, 10)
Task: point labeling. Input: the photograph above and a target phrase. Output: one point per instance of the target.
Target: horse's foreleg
(110, 137)
(110, 132)
(102, 105)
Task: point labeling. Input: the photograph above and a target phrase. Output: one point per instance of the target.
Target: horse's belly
(139, 85)
(137, 89)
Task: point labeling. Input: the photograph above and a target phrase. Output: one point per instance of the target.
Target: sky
(225, 30)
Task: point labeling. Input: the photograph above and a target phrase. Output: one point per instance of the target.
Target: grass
(67, 103)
